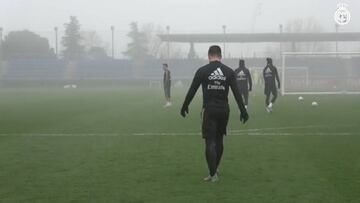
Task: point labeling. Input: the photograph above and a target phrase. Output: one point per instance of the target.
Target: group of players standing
(244, 81)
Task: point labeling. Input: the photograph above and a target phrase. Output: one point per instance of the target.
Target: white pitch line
(252, 134)
(253, 131)
(165, 134)
(60, 134)
(174, 134)
(290, 128)
(299, 134)
(247, 130)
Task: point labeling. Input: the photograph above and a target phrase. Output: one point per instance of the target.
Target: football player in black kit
(215, 79)
(244, 81)
(270, 73)
(167, 84)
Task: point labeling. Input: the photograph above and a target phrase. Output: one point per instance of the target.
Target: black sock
(219, 149)
(211, 155)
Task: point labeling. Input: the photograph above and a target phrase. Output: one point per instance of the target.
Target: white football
(314, 103)
(300, 98)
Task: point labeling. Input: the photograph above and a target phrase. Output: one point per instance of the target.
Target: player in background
(167, 84)
(215, 79)
(270, 74)
(244, 81)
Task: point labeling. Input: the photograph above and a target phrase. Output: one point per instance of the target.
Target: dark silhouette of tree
(26, 44)
(137, 49)
(72, 40)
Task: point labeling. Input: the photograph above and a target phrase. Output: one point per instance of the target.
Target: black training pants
(213, 129)
(268, 91)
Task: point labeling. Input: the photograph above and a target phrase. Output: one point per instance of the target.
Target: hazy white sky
(183, 16)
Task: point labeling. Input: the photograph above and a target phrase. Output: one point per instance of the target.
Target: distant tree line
(144, 43)
(78, 44)
(27, 44)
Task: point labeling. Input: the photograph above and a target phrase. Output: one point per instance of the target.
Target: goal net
(320, 73)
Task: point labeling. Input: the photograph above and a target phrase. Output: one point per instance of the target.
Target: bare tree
(157, 48)
(93, 45)
(305, 25)
(154, 45)
(90, 39)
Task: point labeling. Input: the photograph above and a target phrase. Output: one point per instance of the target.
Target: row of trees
(78, 44)
(144, 43)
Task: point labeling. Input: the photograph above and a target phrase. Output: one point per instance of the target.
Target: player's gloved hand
(184, 111)
(244, 116)
(250, 89)
(278, 86)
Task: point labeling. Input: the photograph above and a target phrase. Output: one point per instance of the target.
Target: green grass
(79, 146)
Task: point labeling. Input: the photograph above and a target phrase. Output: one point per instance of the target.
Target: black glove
(184, 111)
(278, 86)
(250, 89)
(244, 116)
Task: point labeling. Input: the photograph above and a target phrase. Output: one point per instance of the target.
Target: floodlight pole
(112, 41)
(282, 57)
(283, 73)
(1, 49)
(1, 54)
(281, 31)
(56, 42)
(168, 41)
(224, 32)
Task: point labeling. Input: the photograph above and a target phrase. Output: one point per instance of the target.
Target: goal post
(320, 73)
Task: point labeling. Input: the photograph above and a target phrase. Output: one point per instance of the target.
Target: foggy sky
(183, 16)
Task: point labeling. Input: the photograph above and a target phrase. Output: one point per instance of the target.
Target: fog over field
(183, 16)
(130, 100)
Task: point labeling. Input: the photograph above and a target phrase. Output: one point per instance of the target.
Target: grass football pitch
(121, 145)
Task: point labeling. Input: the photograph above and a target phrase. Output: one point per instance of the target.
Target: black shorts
(215, 121)
(269, 89)
(167, 88)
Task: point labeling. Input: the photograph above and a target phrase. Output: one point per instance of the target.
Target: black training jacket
(215, 79)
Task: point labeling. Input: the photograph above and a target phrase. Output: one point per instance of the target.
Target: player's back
(215, 79)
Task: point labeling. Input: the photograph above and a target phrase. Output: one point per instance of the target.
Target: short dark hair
(214, 50)
(165, 64)
(241, 62)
